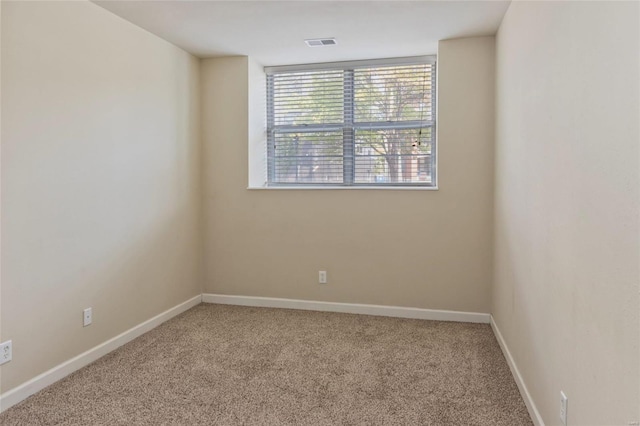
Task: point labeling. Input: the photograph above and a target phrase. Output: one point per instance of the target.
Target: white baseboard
(60, 371)
(348, 308)
(528, 401)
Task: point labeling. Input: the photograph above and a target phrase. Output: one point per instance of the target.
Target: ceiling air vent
(317, 42)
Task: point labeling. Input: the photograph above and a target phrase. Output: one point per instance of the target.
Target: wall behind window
(426, 249)
(100, 180)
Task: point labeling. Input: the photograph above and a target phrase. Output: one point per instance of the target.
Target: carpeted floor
(229, 365)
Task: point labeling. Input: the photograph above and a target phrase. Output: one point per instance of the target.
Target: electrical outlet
(6, 352)
(322, 277)
(563, 408)
(87, 317)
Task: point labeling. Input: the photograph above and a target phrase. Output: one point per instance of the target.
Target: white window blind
(353, 124)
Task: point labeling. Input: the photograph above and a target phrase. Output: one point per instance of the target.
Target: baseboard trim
(25, 390)
(348, 308)
(526, 396)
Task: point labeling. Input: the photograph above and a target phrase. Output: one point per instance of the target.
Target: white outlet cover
(87, 317)
(563, 407)
(6, 352)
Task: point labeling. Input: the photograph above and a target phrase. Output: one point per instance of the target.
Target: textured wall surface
(100, 180)
(426, 249)
(567, 201)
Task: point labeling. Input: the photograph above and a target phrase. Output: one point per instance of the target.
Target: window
(352, 124)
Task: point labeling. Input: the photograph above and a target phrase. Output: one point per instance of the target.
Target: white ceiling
(273, 32)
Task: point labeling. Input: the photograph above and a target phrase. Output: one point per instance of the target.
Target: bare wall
(100, 180)
(566, 293)
(426, 249)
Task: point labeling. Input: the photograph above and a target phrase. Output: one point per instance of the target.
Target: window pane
(308, 158)
(352, 124)
(314, 97)
(394, 93)
(393, 156)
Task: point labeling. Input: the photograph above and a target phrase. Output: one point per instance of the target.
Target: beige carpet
(231, 365)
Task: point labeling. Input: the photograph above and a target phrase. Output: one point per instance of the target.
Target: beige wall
(427, 249)
(566, 294)
(100, 180)
(1, 338)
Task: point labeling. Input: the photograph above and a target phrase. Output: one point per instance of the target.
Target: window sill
(351, 188)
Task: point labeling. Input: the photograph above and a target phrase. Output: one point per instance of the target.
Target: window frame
(348, 126)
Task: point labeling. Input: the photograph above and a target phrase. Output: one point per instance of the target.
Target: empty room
(320, 212)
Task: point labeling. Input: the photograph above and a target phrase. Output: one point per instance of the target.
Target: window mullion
(348, 136)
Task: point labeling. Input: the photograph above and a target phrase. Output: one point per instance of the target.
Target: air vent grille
(317, 42)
